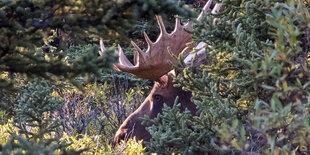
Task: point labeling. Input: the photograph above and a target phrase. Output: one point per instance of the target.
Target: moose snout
(132, 126)
(121, 134)
(126, 131)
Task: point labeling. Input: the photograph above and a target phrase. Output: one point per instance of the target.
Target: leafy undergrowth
(130, 147)
(69, 122)
(95, 145)
(6, 130)
(84, 144)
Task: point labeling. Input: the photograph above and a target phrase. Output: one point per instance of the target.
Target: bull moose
(155, 65)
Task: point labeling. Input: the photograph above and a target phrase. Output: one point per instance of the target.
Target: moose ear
(164, 80)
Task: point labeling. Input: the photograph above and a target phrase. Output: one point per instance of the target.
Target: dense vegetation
(58, 96)
(253, 93)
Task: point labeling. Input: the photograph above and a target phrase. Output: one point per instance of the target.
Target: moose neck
(162, 93)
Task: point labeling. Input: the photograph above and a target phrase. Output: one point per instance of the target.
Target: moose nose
(121, 134)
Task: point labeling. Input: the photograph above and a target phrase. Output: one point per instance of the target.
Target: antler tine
(189, 25)
(123, 59)
(161, 25)
(140, 56)
(177, 24)
(205, 8)
(148, 41)
(216, 8)
(102, 48)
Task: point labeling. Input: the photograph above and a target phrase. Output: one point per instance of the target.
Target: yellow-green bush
(130, 147)
(95, 145)
(91, 144)
(6, 130)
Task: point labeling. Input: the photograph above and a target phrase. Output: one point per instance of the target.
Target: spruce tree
(253, 93)
(39, 40)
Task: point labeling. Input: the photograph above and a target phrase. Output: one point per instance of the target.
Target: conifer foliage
(34, 34)
(253, 93)
(46, 47)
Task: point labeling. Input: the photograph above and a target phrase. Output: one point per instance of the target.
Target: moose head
(155, 65)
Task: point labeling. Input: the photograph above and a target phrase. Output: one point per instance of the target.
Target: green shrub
(252, 95)
(33, 130)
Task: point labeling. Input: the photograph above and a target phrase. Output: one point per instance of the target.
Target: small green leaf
(276, 103)
(268, 87)
(287, 109)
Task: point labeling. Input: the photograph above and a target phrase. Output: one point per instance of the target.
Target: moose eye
(157, 98)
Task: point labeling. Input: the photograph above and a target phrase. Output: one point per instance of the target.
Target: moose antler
(155, 62)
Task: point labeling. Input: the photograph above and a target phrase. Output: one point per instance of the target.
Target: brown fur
(162, 93)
